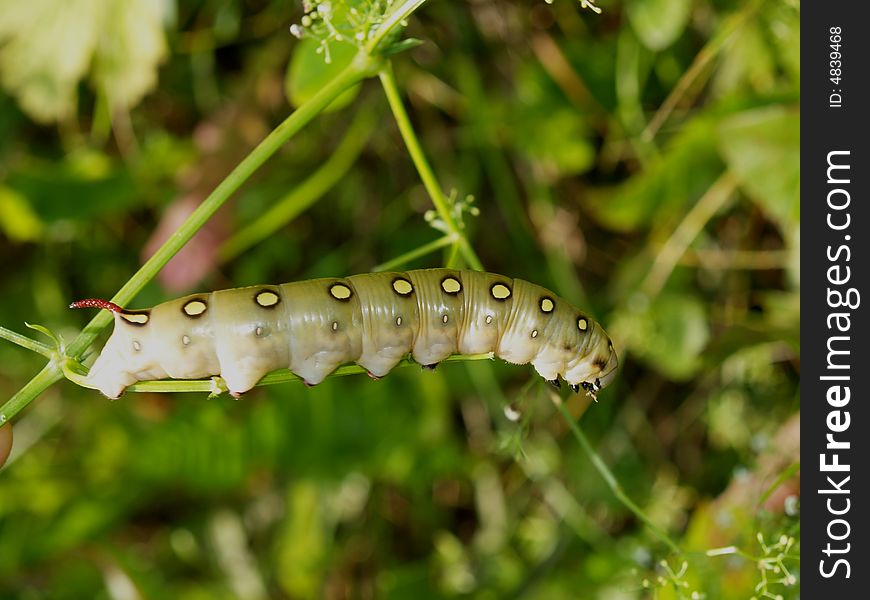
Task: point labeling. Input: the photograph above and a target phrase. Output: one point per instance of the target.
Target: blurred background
(642, 163)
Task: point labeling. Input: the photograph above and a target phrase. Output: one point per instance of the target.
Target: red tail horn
(97, 303)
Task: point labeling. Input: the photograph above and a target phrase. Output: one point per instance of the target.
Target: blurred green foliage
(642, 163)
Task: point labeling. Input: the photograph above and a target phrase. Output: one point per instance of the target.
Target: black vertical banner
(835, 419)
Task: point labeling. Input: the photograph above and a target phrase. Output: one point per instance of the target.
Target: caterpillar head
(593, 368)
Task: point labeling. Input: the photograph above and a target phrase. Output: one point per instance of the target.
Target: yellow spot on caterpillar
(501, 292)
(451, 285)
(194, 308)
(137, 346)
(547, 305)
(267, 298)
(582, 324)
(340, 291)
(185, 339)
(444, 319)
(135, 318)
(399, 321)
(403, 287)
(535, 333)
(488, 319)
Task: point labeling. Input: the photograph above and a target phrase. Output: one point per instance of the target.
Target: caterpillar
(373, 319)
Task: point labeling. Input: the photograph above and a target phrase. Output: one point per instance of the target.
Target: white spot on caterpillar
(535, 333)
(488, 319)
(451, 285)
(194, 308)
(267, 299)
(444, 319)
(340, 291)
(403, 287)
(500, 291)
(136, 346)
(335, 325)
(135, 318)
(185, 339)
(258, 331)
(399, 321)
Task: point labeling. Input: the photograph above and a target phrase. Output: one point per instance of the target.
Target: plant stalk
(416, 253)
(430, 182)
(306, 193)
(274, 378)
(612, 482)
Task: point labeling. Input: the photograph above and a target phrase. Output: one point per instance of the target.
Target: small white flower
(590, 4)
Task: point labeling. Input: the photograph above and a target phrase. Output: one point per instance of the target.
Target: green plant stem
(361, 67)
(273, 378)
(699, 64)
(430, 182)
(416, 253)
(611, 480)
(50, 374)
(787, 474)
(306, 193)
(396, 17)
(695, 220)
(26, 342)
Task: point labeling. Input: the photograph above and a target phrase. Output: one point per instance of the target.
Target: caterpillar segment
(373, 319)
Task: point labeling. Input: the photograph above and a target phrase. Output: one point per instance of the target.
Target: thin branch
(26, 342)
(755, 260)
(216, 385)
(397, 17)
(416, 253)
(430, 182)
(702, 60)
(686, 232)
(306, 193)
(612, 482)
(49, 375)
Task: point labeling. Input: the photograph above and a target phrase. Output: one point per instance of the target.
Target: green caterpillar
(374, 319)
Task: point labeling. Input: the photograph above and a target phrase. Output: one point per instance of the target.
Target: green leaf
(402, 46)
(309, 71)
(58, 344)
(785, 34)
(762, 148)
(130, 46)
(669, 334)
(17, 220)
(658, 23)
(546, 129)
(558, 140)
(84, 186)
(38, 66)
(679, 176)
(747, 63)
(48, 47)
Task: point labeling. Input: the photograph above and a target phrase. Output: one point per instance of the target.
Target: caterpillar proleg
(373, 319)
